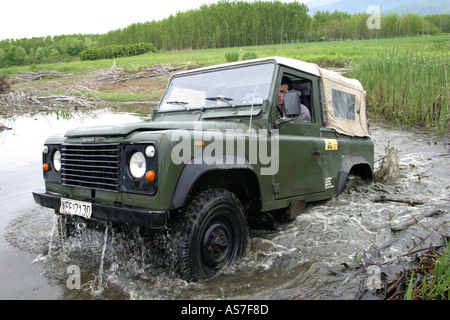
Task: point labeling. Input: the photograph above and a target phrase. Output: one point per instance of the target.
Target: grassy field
(331, 53)
(406, 79)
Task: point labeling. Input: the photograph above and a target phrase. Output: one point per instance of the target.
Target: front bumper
(117, 214)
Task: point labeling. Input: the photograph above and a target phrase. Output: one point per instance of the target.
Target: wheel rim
(219, 239)
(216, 245)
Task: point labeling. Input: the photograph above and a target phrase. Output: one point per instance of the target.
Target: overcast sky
(38, 18)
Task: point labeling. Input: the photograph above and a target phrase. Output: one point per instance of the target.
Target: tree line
(217, 25)
(116, 51)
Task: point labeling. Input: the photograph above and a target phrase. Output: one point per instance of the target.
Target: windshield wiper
(180, 103)
(224, 99)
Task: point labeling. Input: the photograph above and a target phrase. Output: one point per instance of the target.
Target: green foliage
(118, 51)
(248, 55)
(46, 55)
(411, 88)
(232, 56)
(12, 55)
(438, 287)
(224, 24)
(410, 286)
(71, 46)
(441, 21)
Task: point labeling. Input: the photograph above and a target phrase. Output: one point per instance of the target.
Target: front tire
(210, 233)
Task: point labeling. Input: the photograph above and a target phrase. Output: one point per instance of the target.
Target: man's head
(286, 85)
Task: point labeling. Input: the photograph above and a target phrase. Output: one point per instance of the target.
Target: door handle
(316, 153)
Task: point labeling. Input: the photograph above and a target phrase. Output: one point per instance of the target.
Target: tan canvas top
(344, 104)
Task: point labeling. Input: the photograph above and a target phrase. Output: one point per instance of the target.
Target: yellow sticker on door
(331, 144)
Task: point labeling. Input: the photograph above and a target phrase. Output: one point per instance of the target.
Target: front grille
(91, 166)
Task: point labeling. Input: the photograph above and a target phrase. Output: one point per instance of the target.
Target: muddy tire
(211, 232)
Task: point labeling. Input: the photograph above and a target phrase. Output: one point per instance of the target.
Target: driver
(286, 85)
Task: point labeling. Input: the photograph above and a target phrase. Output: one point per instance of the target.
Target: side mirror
(292, 103)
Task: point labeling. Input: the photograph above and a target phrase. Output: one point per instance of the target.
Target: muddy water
(333, 251)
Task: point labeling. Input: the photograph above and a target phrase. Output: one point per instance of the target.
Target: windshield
(240, 86)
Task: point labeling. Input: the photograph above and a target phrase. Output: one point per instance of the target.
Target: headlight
(57, 160)
(137, 165)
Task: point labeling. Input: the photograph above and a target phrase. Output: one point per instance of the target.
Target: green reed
(436, 282)
(407, 87)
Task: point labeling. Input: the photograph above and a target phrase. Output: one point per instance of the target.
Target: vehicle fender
(348, 162)
(198, 166)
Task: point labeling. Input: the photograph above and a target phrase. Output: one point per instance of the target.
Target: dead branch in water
(70, 100)
(401, 224)
(17, 99)
(22, 101)
(407, 201)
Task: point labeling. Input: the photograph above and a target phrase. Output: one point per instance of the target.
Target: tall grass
(408, 87)
(436, 288)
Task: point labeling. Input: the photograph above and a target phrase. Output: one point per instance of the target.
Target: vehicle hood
(126, 129)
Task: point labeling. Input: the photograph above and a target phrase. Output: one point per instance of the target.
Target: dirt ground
(143, 85)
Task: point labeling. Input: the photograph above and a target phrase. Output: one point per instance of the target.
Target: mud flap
(296, 208)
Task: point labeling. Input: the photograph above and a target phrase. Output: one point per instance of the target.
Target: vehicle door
(300, 145)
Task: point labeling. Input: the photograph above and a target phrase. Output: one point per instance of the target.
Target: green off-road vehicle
(228, 147)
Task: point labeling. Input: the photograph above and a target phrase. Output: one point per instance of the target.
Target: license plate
(78, 208)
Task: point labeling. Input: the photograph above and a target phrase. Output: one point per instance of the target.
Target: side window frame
(321, 102)
(312, 80)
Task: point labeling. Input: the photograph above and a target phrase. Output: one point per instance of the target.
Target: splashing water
(52, 234)
(388, 170)
(102, 260)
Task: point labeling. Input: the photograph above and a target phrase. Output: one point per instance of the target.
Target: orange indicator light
(45, 167)
(199, 143)
(150, 176)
